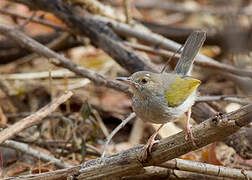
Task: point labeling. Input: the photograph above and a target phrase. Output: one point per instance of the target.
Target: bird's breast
(153, 110)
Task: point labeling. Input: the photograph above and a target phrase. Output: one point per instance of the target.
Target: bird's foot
(189, 135)
(148, 148)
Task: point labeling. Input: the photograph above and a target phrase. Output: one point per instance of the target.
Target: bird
(164, 97)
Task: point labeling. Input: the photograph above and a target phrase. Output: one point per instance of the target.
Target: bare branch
(99, 33)
(160, 41)
(179, 7)
(60, 60)
(127, 162)
(35, 153)
(203, 168)
(236, 99)
(119, 127)
(211, 130)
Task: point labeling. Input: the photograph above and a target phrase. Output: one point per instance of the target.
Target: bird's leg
(188, 127)
(150, 143)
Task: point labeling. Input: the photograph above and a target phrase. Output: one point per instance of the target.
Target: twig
(151, 50)
(179, 7)
(99, 33)
(160, 41)
(34, 118)
(52, 45)
(27, 21)
(100, 123)
(203, 168)
(127, 5)
(60, 60)
(16, 51)
(118, 128)
(35, 153)
(37, 20)
(154, 172)
(224, 98)
(93, 148)
(59, 73)
(59, 142)
(24, 114)
(245, 174)
(4, 88)
(97, 7)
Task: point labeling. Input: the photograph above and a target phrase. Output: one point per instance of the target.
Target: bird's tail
(190, 50)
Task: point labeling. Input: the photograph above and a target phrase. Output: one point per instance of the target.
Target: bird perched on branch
(163, 97)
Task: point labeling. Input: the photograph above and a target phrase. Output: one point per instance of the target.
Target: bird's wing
(180, 90)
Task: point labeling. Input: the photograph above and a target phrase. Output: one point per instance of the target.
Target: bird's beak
(125, 79)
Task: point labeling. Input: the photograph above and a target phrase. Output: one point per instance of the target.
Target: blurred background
(77, 131)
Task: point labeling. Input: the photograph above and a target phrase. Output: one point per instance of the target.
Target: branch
(160, 41)
(225, 98)
(203, 168)
(59, 174)
(211, 130)
(179, 7)
(34, 118)
(60, 60)
(240, 141)
(127, 162)
(35, 153)
(99, 33)
(16, 52)
(154, 172)
(102, 36)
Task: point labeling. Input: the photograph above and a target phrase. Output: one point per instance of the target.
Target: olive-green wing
(180, 90)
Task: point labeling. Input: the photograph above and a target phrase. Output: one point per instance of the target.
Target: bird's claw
(147, 149)
(189, 136)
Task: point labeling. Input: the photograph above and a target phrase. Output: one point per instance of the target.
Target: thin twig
(33, 119)
(118, 128)
(167, 62)
(37, 20)
(97, 7)
(59, 73)
(127, 10)
(27, 21)
(152, 50)
(229, 98)
(155, 172)
(35, 153)
(52, 45)
(204, 168)
(180, 7)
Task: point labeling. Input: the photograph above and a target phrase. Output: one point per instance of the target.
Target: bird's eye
(144, 80)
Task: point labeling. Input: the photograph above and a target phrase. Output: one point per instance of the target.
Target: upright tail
(190, 50)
